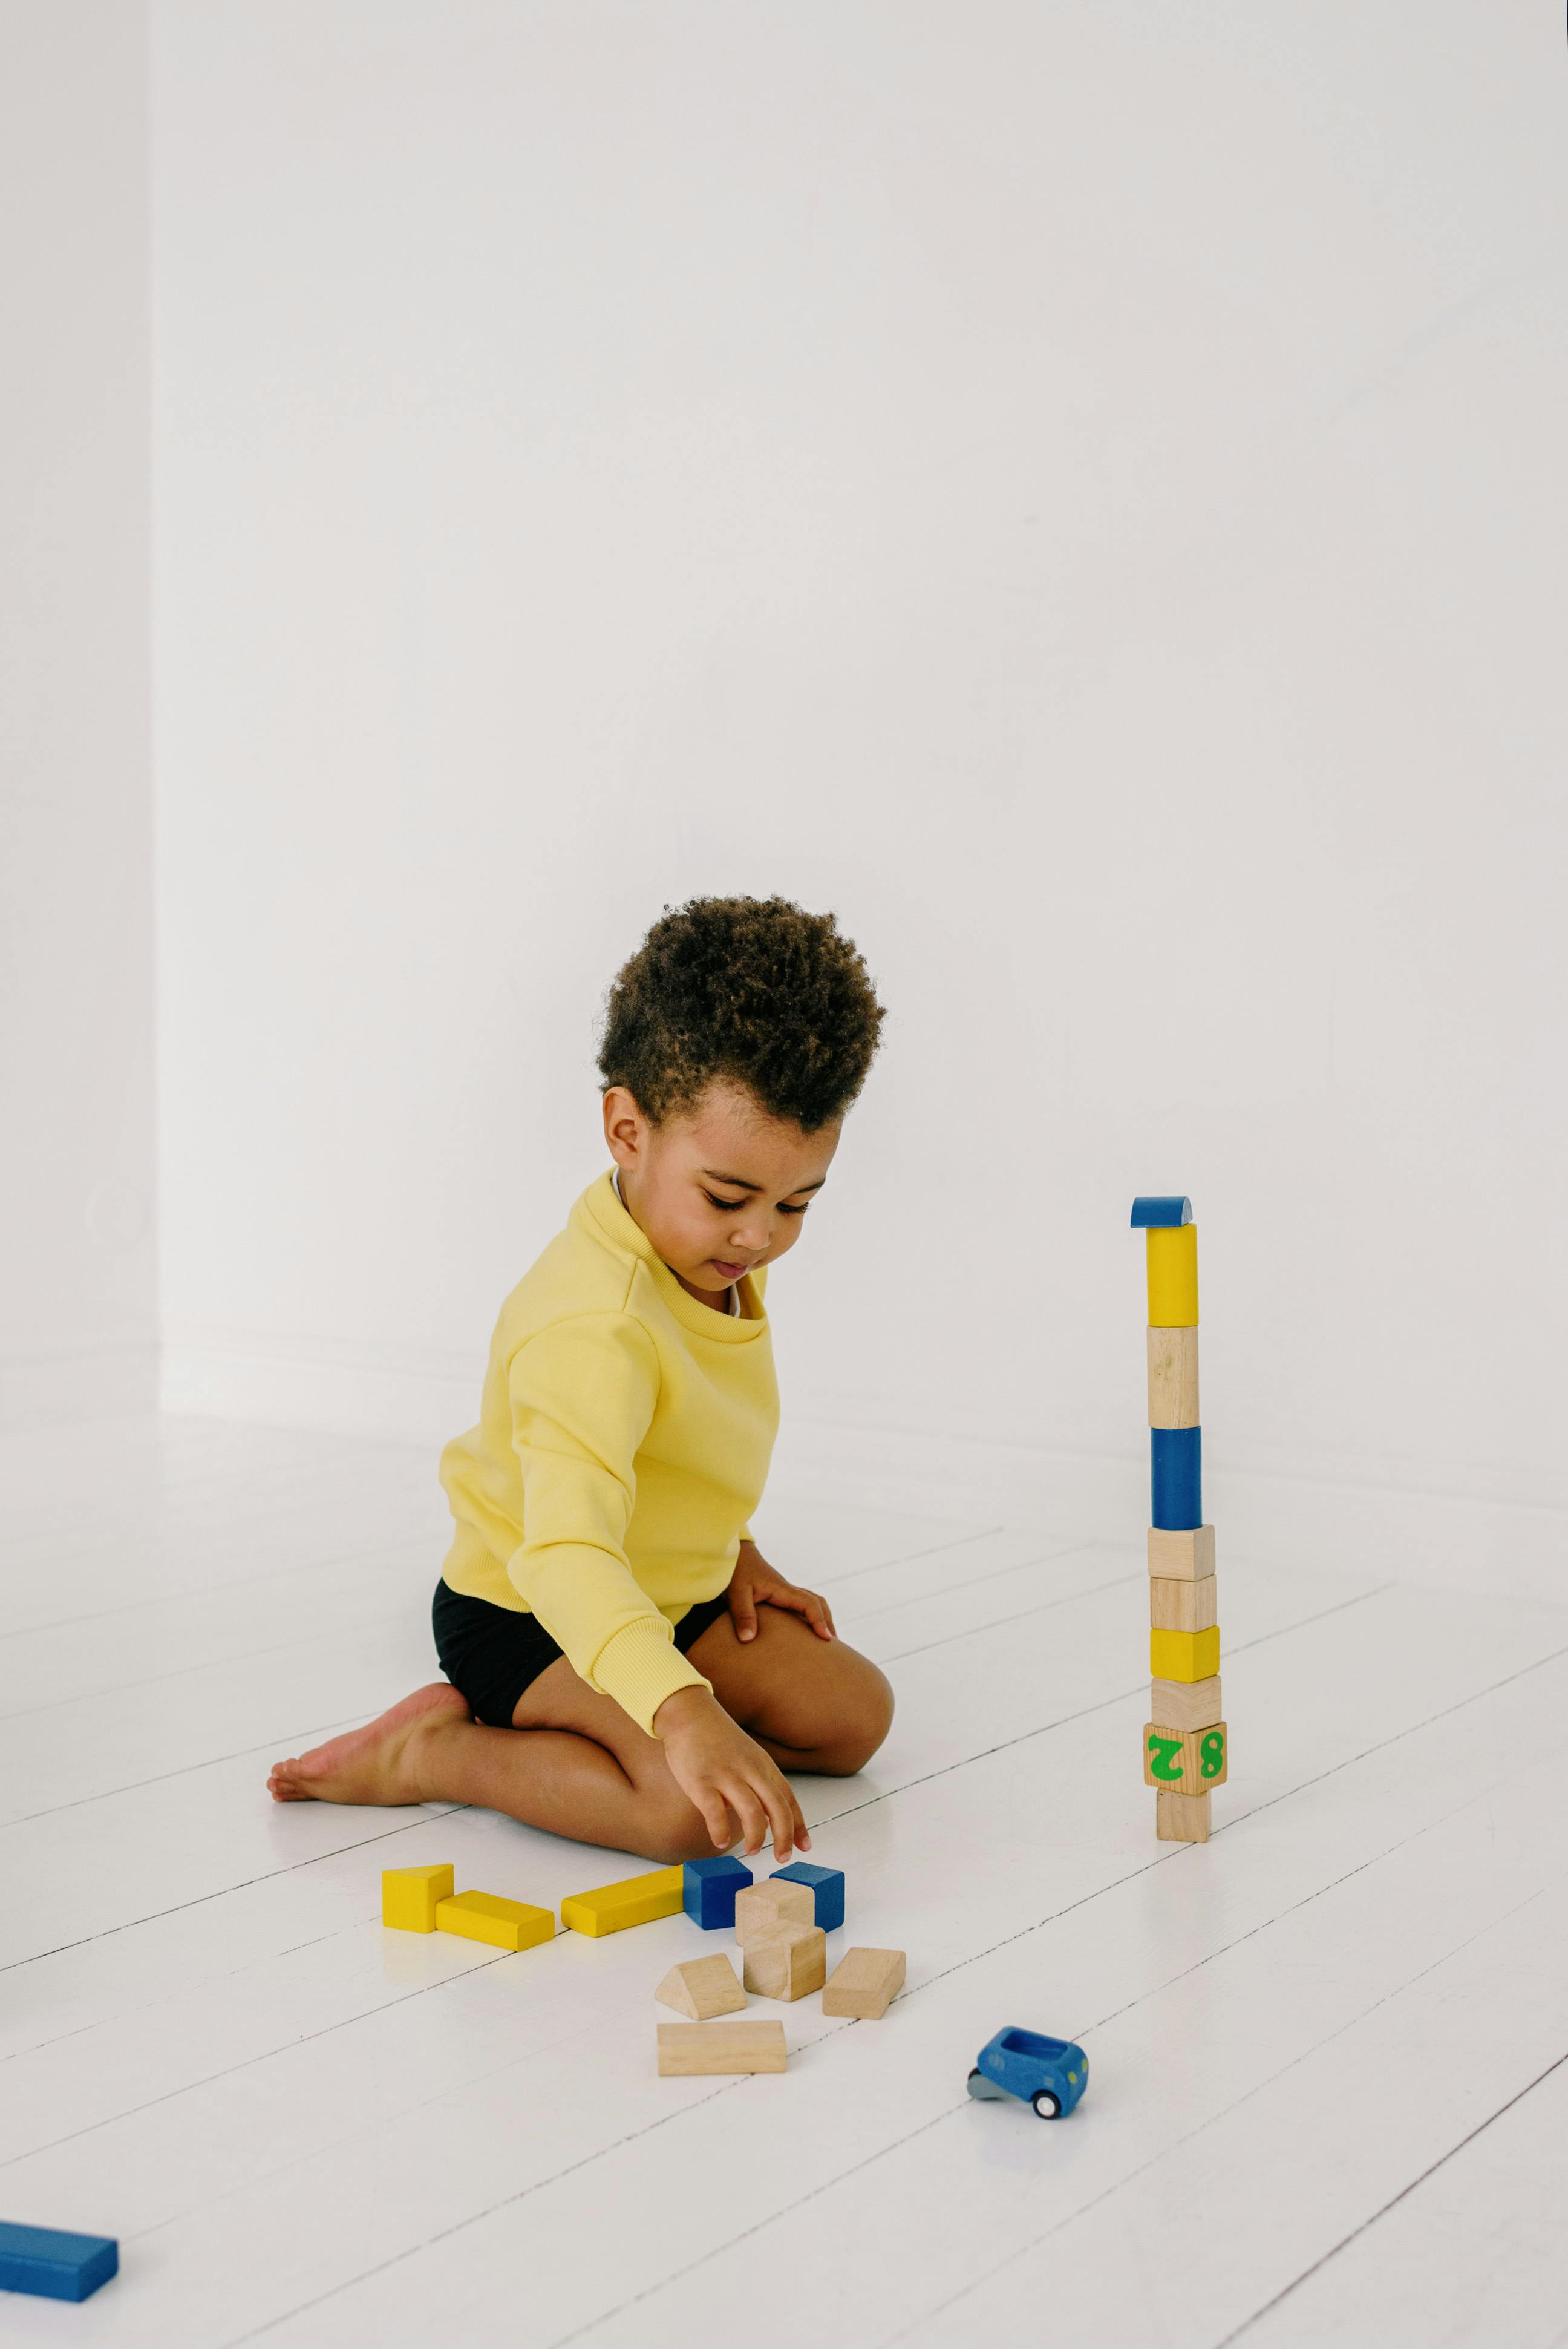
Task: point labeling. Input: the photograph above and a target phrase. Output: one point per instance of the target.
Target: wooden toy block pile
(1185, 1746)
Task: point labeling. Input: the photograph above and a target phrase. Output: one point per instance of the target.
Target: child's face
(719, 1188)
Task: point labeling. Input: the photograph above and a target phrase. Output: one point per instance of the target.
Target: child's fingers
(753, 1819)
(803, 1602)
(743, 1613)
(715, 1817)
(783, 1816)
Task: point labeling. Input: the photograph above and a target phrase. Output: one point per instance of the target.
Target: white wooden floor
(1329, 2098)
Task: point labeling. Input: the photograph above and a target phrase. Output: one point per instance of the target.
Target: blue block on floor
(826, 1890)
(1176, 1462)
(54, 2265)
(709, 1888)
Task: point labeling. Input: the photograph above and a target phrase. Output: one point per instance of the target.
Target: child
(623, 1664)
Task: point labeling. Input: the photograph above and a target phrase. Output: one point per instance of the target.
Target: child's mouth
(727, 1271)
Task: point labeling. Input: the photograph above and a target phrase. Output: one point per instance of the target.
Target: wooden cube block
(1190, 1760)
(701, 1987)
(1181, 1818)
(826, 1886)
(1172, 1261)
(1184, 1655)
(692, 2050)
(635, 1900)
(766, 1907)
(1185, 1557)
(1182, 1605)
(788, 1964)
(864, 1983)
(503, 1924)
(408, 1897)
(1186, 1704)
(1174, 1378)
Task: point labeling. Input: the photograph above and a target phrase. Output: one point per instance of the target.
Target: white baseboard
(106, 1379)
(1483, 1542)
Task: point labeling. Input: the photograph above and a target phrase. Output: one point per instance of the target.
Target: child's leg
(813, 1703)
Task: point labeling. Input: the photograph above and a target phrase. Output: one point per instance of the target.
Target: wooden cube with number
(1187, 1760)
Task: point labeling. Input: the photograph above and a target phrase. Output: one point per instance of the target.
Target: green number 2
(1212, 1755)
(1163, 1752)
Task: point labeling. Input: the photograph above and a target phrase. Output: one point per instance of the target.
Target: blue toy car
(1049, 2074)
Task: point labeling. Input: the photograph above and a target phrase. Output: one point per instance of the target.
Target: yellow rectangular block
(1181, 1818)
(503, 1924)
(1189, 1759)
(1184, 1655)
(1183, 1556)
(1178, 1606)
(1172, 1262)
(1174, 1378)
(1186, 1704)
(410, 1895)
(635, 1900)
(694, 2050)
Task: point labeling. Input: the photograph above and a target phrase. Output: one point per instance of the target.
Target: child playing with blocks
(623, 1664)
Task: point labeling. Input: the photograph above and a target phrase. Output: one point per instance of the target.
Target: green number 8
(1212, 1755)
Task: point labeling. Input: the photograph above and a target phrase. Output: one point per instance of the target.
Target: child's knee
(840, 1717)
(864, 1718)
(676, 1830)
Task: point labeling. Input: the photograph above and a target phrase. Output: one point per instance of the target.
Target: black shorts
(492, 1653)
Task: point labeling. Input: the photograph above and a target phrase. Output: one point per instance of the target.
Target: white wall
(78, 1271)
(1079, 489)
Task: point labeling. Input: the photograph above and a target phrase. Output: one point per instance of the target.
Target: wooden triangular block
(702, 1988)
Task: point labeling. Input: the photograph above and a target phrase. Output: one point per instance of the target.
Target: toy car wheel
(986, 2090)
(1047, 2106)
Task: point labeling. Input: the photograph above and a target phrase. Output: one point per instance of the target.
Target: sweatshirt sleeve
(582, 1395)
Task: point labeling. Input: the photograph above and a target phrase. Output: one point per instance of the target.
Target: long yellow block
(635, 1900)
(410, 1895)
(1172, 1255)
(504, 1924)
(1184, 1655)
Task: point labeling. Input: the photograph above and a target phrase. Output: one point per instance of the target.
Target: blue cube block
(709, 1888)
(1176, 1462)
(54, 2265)
(826, 1890)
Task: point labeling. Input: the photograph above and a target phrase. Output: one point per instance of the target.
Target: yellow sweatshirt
(624, 1439)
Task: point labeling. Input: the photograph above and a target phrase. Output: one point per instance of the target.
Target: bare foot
(372, 1764)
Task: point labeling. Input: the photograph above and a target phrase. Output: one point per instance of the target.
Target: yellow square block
(1184, 1655)
(408, 1897)
(504, 1924)
(635, 1900)
(1173, 1260)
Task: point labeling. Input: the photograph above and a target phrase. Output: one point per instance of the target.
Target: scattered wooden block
(635, 1900)
(827, 1888)
(1186, 1704)
(1184, 1555)
(1172, 1252)
(503, 1924)
(1189, 1761)
(410, 1895)
(788, 1964)
(54, 2265)
(709, 1888)
(702, 1987)
(1184, 1655)
(1181, 1818)
(864, 1983)
(689, 2050)
(1176, 1606)
(1174, 1378)
(768, 1905)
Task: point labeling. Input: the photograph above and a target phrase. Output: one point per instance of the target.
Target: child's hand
(721, 1770)
(756, 1584)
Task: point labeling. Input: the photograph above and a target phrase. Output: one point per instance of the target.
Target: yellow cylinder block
(1173, 1276)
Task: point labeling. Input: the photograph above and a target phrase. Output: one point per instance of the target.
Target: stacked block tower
(1185, 1746)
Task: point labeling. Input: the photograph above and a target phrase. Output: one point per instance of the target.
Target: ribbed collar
(612, 1223)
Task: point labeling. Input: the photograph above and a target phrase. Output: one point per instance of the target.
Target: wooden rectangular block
(1177, 1606)
(1184, 1557)
(701, 1987)
(693, 2050)
(635, 1900)
(789, 1964)
(1190, 1760)
(1172, 1262)
(766, 1907)
(503, 1924)
(1174, 1378)
(864, 1983)
(1186, 1704)
(1184, 1655)
(410, 1895)
(1181, 1818)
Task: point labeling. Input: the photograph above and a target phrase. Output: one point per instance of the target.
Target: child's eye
(729, 1205)
(794, 1211)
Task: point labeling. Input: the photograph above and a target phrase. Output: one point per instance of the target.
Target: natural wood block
(1186, 1704)
(1182, 1557)
(864, 1983)
(503, 1924)
(1191, 1760)
(766, 1907)
(635, 1900)
(702, 1987)
(1181, 1818)
(687, 2050)
(410, 1895)
(1172, 1261)
(1174, 1378)
(1184, 1655)
(788, 1964)
(1182, 1605)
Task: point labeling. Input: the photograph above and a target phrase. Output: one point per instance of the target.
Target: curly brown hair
(751, 989)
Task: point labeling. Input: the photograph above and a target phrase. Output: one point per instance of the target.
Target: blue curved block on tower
(1176, 1477)
(1158, 1215)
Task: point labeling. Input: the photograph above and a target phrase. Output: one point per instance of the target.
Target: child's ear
(625, 1127)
